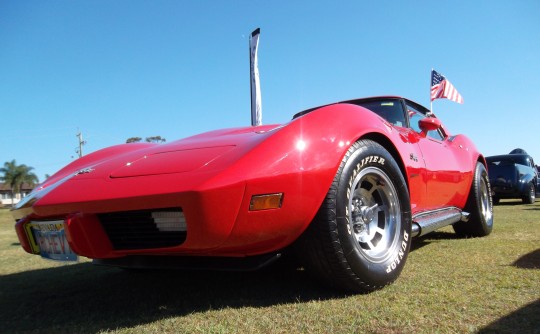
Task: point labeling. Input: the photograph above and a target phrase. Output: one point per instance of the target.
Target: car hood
(204, 154)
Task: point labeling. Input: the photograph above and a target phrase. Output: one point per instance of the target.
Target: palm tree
(17, 175)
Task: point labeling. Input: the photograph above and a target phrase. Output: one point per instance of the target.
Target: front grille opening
(145, 229)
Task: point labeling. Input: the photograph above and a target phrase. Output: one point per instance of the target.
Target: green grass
(449, 285)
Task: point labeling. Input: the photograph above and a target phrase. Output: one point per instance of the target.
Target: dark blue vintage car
(513, 175)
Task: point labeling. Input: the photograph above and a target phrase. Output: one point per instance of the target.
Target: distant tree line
(153, 139)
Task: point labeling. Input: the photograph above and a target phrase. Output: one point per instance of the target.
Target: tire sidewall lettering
(403, 248)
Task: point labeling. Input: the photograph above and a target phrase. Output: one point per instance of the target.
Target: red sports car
(345, 186)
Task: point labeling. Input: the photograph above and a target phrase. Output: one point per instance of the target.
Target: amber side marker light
(265, 202)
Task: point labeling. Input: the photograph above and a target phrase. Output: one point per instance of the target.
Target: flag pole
(430, 100)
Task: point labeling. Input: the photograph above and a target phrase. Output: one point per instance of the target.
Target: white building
(5, 194)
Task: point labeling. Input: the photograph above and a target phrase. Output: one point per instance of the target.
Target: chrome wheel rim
(485, 205)
(374, 214)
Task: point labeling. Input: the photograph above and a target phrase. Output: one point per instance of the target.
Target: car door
(394, 112)
(447, 171)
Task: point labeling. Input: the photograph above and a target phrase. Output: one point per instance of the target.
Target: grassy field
(449, 285)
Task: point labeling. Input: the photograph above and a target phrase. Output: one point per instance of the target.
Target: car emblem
(85, 171)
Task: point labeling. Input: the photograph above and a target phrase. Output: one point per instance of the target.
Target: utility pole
(81, 144)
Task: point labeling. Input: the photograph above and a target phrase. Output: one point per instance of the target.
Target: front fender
(300, 160)
(524, 181)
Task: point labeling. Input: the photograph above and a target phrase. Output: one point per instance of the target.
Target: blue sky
(119, 69)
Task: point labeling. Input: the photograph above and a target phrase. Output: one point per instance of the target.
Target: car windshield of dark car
(500, 162)
(390, 110)
(522, 161)
(506, 161)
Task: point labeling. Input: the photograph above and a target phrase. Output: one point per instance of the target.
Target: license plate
(50, 241)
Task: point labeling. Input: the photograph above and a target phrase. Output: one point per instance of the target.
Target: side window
(416, 115)
(414, 118)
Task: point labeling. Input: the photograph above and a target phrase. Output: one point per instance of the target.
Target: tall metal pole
(81, 143)
(256, 101)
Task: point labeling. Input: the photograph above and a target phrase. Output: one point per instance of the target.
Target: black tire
(479, 206)
(339, 246)
(496, 200)
(530, 196)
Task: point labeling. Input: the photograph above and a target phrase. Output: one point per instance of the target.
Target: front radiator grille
(131, 230)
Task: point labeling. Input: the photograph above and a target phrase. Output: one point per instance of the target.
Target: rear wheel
(479, 205)
(360, 238)
(530, 197)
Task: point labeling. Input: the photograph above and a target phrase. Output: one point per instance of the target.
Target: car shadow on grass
(429, 238)
(529, 261)
(510, 203)
(86, 298)
(526, 317)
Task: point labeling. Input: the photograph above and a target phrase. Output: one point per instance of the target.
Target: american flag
(441, 88)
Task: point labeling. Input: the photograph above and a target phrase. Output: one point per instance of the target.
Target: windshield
(390, 110)
(507, 160)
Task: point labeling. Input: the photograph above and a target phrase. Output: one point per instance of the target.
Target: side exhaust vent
(434, 220)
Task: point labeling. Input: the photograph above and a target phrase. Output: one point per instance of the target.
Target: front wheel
(530, 196)
(360, 238)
